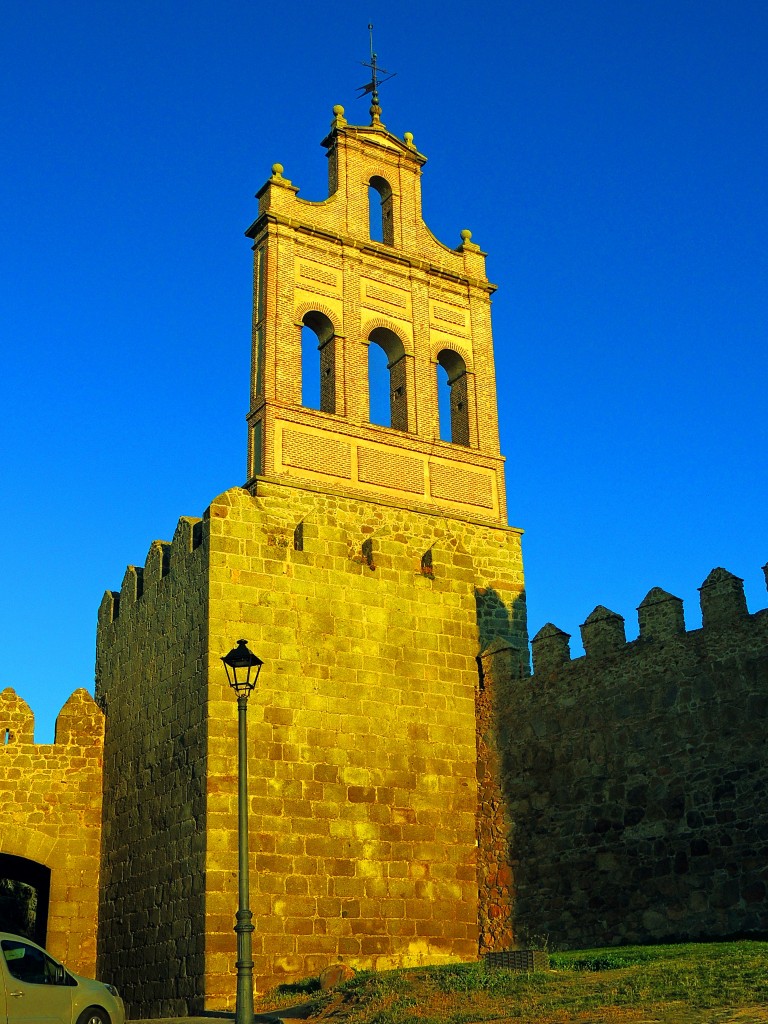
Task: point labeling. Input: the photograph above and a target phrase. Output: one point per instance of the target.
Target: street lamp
(242, 668)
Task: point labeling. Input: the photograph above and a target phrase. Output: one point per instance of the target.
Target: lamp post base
(244, 965)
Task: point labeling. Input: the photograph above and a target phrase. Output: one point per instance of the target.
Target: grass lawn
(694, 983)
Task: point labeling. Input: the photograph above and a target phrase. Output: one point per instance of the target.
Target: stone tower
(371, 568)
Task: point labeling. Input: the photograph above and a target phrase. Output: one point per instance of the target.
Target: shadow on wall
(499, 622)
(630, 777)
(503, 665)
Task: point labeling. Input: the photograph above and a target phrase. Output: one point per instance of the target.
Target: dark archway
(25, 890)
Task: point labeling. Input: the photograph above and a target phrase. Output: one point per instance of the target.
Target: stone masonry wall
(634, 776)
(50, 795)
(151, 682)
(369, 618)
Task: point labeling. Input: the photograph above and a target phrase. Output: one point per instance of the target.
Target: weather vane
(376, 80)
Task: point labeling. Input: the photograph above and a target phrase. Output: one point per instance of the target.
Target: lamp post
(239, 664)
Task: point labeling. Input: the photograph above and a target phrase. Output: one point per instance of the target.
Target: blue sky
(611, 158)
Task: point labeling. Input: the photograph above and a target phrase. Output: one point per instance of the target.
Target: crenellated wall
(362, 744)
(151, 671)
(50, 795)
(633, 777)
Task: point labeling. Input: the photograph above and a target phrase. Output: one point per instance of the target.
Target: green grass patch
(694, 977)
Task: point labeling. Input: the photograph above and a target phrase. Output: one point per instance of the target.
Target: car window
(26, 963)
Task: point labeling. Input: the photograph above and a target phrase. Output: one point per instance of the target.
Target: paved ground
(299, 1012)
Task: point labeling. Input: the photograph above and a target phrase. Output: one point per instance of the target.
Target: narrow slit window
(367, 552)
(427, 568)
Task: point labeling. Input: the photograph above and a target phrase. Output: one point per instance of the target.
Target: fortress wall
(362, 747)
(634, 776)
(50, 795)
(363, 789)
(151, 683)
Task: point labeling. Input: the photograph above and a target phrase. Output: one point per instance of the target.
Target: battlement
(660, 619)
(630, 774)
(50, 794)
(297, 529)
(163, 556)
(79, 723)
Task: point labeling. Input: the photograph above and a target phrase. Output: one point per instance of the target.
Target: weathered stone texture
(633, 777)
(151, 675)
(502, 666)
(362, 746)
(50, 794)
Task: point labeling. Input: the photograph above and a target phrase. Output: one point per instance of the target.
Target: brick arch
(459, 348)
(461, 391)
(317, 307)
(384, 171)
(331, 355)
(381, 321)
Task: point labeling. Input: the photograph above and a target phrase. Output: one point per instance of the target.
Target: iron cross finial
(372, 87)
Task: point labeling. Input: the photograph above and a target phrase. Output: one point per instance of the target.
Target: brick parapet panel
(362, 745)
(632, 776)
(51, 799)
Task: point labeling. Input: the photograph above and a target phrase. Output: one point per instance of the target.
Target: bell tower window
(318, 375)
(386, 340)
(380, 211)
(453, 370)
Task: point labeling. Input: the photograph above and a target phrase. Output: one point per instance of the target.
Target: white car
(36, 989)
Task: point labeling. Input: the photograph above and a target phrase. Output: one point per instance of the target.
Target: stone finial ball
(338, 110)
(277, 170)
(466, 236)
(408, 136)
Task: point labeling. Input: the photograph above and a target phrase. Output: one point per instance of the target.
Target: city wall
(632, 778)
(151, 673)
(51, 796)
(362, 747)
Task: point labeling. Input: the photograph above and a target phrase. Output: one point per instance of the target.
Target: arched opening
(388, 401)
(318, 374)
(380, 220)
(444, 403)
(454, 413)
(25, 889)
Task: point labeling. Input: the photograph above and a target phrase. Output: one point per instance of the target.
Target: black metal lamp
(239, 664)
(242, 668)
